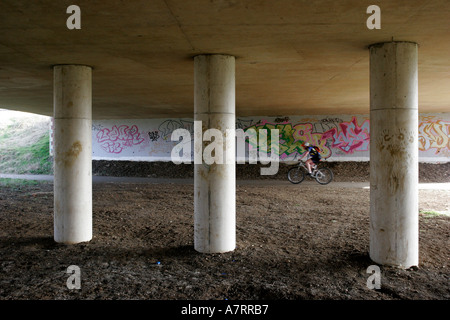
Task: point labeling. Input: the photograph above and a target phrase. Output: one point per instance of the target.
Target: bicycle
(297, 174)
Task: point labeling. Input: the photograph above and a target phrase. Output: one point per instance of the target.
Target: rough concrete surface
(308, 57)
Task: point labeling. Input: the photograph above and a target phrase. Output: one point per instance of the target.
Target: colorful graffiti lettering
(287, 143)
(338, 137)
(304, 132)
(117, 138)
(350, 137)
(292, 138)
(434, 135)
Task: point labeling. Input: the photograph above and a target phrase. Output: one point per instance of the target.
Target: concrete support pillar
(394, 216)
(215, 184)
(72, 153)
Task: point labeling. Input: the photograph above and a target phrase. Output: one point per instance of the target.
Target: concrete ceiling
(294, 57)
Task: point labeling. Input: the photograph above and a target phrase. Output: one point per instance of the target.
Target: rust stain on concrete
(75, 150)
(72, 154)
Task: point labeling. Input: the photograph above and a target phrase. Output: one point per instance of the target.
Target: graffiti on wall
(153, 135)
(117, 138)
(435, 136)
(290, 140)
(168, 126)
(339, 137)
(350, 136)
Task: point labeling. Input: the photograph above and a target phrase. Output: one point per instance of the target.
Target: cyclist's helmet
(306, 144)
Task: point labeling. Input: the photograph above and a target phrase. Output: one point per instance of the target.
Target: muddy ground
(294, 242)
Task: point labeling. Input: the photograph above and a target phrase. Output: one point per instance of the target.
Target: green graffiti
(291, 139)
(288, 145)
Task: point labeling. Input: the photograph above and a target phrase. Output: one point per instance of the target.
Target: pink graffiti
(118, 138)
(351, 137)
(111, 147)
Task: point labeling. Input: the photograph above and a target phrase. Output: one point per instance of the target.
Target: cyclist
(313, 155)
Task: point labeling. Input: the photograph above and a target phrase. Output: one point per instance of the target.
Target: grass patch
(7, 182)
(33, 159)
(25, 146)
(430, 213)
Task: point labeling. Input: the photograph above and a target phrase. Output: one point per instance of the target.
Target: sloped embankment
(24, 144)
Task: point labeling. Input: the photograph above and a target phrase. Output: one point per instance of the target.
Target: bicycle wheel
(324, 175)
(296, 175)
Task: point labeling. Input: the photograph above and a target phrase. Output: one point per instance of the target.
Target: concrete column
(72, 153)
(394, 216)
(215, 184)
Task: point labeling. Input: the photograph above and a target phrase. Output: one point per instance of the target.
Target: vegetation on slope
(24, 144)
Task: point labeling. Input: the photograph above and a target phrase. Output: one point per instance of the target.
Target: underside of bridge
(218, 59)
(293, 57)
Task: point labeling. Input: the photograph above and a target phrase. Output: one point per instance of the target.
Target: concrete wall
(341, 137)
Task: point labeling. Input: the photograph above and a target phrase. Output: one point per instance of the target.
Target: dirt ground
(294, 242)
(344, 171)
